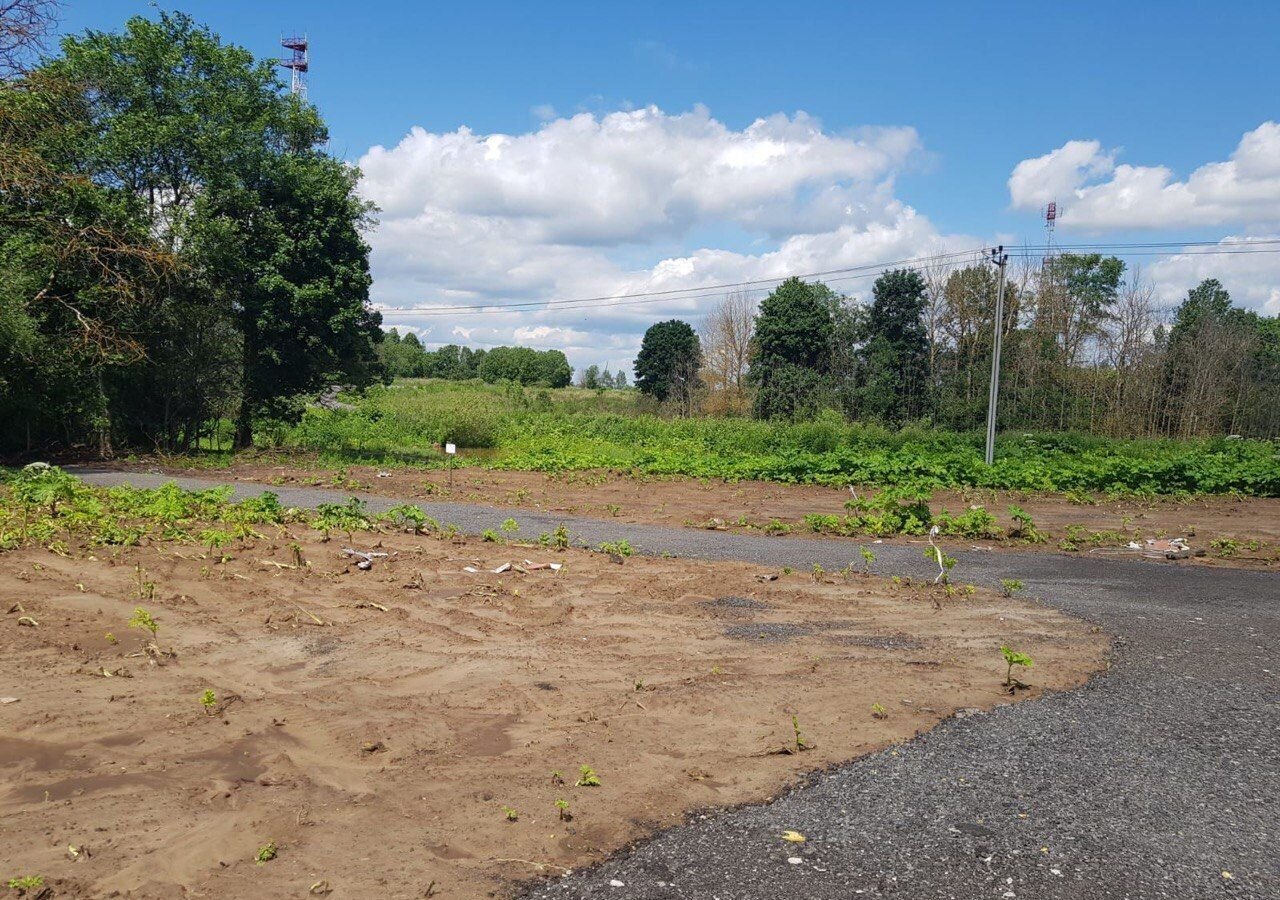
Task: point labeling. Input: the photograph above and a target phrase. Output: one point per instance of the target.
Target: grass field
(574, 429)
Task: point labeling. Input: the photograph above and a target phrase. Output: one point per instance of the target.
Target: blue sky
(981, 87)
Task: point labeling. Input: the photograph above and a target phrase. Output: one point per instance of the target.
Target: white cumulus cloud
(1095, 193)
(1252, 277)
(631, 201)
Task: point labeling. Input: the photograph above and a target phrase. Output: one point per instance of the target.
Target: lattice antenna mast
(1050, 223)
(298, 63)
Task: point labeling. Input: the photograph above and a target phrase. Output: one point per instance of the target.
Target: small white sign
(451, 449)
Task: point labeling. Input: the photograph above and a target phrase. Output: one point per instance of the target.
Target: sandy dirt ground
(376, 726)
(1105, 526)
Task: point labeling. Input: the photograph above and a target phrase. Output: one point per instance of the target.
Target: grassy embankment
(574, 429)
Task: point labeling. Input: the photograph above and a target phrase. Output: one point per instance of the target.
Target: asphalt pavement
(1158, 779)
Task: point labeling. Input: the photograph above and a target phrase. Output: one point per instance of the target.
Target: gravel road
(1159, 779)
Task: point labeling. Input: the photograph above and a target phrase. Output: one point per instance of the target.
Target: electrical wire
(850, 273)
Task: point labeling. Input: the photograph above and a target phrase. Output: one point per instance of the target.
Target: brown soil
(377, 747)
(1106, 526)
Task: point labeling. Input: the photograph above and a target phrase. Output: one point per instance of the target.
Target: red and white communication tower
(299, 63)
(1050, 222)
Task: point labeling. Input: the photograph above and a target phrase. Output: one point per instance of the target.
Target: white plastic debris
(365, 558)
(616, 883)
(794, 860)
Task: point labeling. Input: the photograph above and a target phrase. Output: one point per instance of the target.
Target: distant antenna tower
(299, 63)
(1050, 223)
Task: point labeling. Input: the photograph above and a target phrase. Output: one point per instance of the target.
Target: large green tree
(549, 368)
(667, 365)
(791, 350)
(897, 351)
(226, 172)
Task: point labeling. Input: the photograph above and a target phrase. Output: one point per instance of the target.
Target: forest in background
(1085, 349)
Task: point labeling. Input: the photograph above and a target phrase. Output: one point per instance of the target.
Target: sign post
(451, 450)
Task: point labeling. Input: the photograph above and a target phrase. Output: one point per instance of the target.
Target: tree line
(1084, 348)
(406, 357)
(179, 248)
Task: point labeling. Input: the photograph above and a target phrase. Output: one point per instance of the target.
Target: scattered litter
(1158, 548)
(472, 569)
(366, 557)
(104, 672)
(27, 621)
(794, 837)
(17, 608)
(372, 747)
(794, 860)
(320, 888)
(6, 700)
(384, 474)
(772, 576)
(616, 883)
(369, 604)
(537, 567)
(505, 567)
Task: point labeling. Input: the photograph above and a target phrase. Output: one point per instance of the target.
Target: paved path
(1160, 779)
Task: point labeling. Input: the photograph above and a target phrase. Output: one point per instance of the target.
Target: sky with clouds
(583, 153)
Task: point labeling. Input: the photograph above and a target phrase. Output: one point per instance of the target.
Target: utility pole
(1000, 258)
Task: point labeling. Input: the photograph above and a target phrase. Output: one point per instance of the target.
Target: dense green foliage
(791, 350)
(405, 357)
(667, 367)
(575, 430)
(1084, 349)
(897, 350)
(526, 366)
(179, 248)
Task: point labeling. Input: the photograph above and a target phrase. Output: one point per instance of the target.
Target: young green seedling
(801, 743)
(563, 807)
(143, 619)
(1010, 586)
(867, 559)
(1014, 658)
(266, 853)
(27, 883)
(208, 700)
(878, 711)
(587, 777)
(511, 814)
(510, 526)
(557, 540)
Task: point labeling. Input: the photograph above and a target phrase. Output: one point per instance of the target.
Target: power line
(715, 288)
(851, 273)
